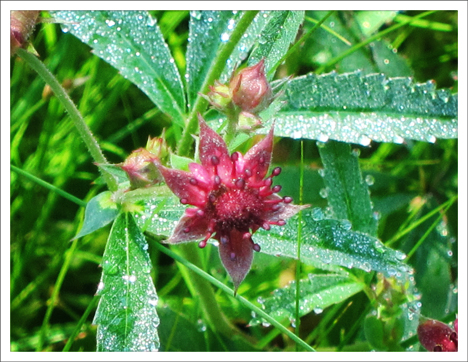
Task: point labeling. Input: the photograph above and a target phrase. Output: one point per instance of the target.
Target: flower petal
(201, 174)
(258, 158)
(212, 145)
(189, 228)
(284, 212)
(236, 255)
(179, 182)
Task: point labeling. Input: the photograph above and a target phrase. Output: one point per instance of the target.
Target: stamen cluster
(232, 199)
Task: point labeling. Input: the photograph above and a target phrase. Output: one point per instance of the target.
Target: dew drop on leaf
(370, 180)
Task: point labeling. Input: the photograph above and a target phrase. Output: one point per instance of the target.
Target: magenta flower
(232, 199)
(436, 336)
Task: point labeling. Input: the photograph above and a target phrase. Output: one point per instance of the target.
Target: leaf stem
(62, 96)
(229, 291)
(215, 72)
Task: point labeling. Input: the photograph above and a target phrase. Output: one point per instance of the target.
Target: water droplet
(266, 324)
(130, 278)
(431, 138)
(400, 255)
(321, 144)
(321, 172)
(224, 37)
(379, 247)
(370, 180)
(356, 152)
(110, 22)
(110, 268)
(318, 310)
(153, 302)
(323, 193)
(100, 287)
(322, 137)
(346, 224)
(364, 140)
(201, 326)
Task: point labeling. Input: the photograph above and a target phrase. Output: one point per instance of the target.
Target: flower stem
(75, 115)
(214, 73)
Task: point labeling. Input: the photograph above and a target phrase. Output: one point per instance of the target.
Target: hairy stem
(75, 115)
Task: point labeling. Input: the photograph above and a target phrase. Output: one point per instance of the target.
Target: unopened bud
(22, 23)
(158, 147)
(436, 336)
(249, 122)
(219, 96)
(250, 89)
(141, 168)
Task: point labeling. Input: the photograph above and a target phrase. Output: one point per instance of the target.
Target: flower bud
(141, 168)
(158, 147)
(219, 96)
(22, 23)
(250, 89)
(249, 122)
(436, 336)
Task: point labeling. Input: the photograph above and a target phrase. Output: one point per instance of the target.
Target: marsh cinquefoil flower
(232, 199)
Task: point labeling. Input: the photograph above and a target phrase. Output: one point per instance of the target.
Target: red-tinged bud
(436, 336)
(158, 147)
(250, 89)
(219, 97)
(141, 168)
(249, 122)
(22, 24)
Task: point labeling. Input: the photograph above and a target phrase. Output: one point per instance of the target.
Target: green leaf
(245, 44)
(126, 316)
(160, 215)
(276, 37)
(132, 43)
(116, 172)
(100, 211)
(358, 109)
(347, 193)
(316, 293)
(208, 31)
(328, 243)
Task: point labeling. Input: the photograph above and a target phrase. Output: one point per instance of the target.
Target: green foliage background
(406, 181)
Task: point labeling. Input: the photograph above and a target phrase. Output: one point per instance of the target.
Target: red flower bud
(436, 336)
(22, 24)
(250, 89)
(141, 168)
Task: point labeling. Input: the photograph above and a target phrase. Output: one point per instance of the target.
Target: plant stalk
(75, 115)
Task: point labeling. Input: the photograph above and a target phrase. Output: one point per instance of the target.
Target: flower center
(237, 208)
